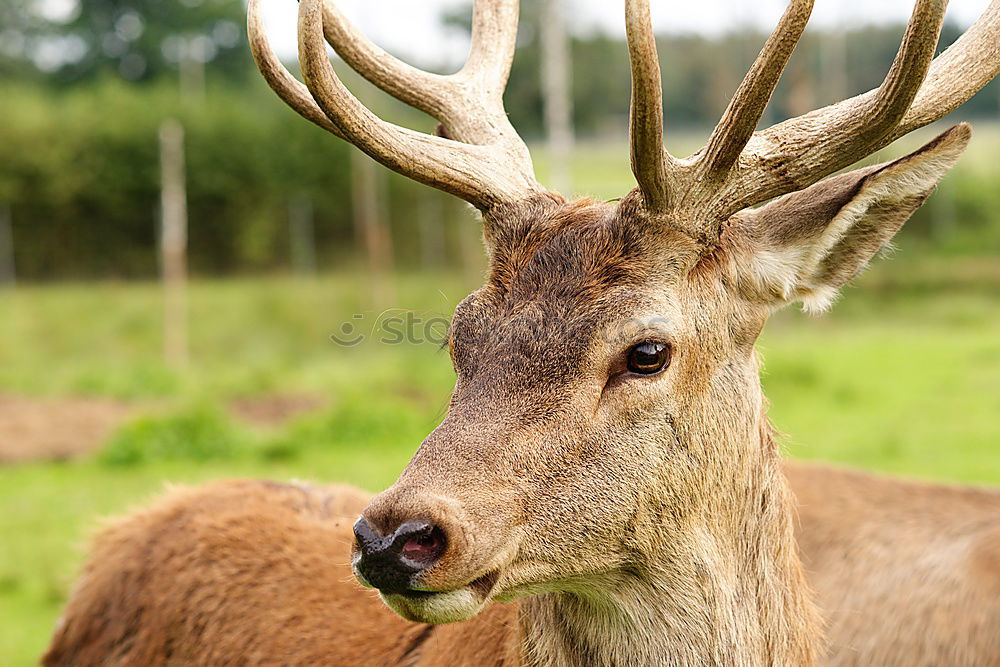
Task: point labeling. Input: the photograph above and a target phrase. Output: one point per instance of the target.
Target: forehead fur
(559, 272)
(578, 252)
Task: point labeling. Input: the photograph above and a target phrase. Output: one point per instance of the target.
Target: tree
(22, 29)
(137, 39)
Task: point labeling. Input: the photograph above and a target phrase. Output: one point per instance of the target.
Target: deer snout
(390, 561)
(417, 540)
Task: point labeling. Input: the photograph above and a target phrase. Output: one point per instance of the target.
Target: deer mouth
(458, 604)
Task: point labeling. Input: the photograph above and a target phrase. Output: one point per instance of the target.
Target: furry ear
(806, 245)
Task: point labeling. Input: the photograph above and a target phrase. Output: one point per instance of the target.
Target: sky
(411, 28)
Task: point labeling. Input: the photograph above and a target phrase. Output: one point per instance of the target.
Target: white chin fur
(447, 607)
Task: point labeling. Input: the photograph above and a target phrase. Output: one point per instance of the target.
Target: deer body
(275, 560)
(605, 464)
(905, 573)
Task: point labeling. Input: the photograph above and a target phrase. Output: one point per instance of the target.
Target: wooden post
(8, 272)
(370, 226)
(431, 224)
(192, 70)
(470, 244)
(943, 212)
(173, 242)
(557, 96)
(302, 236)
(801, 96)
(370, 197)
(833, 63)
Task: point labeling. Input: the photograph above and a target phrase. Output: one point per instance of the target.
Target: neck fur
(734, 594)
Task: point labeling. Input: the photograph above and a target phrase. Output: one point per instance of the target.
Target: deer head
(606, 434)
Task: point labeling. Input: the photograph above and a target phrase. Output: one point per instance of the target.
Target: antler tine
(908, 70)
(974, 57)
(482, 175)
(421, 90)
(470, 113)
(287, 87)
(651, 163)
(494, 38)
(798, 152)
(740, 119)
(493, 168)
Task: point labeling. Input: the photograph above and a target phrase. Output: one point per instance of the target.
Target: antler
(651, 163)
(800, 151)
(486, 164)
(740, 168)
(747, 106)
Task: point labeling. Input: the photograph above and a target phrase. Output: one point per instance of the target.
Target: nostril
(389, 562)
(425, 547)
(364, 534)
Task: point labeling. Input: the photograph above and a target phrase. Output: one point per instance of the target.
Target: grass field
(902, 376)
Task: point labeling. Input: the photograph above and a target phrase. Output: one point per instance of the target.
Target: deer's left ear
(806, 245)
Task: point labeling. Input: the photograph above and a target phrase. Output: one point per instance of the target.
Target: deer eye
(647, 358)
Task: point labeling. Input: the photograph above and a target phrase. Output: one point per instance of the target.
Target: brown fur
(637, 520)
(906, 573)
(300, 605)
(245, 572)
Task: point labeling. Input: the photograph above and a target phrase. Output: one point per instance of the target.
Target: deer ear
(806, 245)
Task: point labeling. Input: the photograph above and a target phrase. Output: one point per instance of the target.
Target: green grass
(248, 337)
(908, 394)
(902, 377)
(600, 168)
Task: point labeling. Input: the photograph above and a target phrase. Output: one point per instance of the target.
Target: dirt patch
(54, 429)
(35, 429)
(275, 409)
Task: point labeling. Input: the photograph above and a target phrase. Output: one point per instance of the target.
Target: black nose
(388, 562)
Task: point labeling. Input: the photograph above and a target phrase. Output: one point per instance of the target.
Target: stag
(617, 485)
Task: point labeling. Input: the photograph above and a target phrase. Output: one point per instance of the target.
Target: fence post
(557, 96)
(192, 69)
(370, 226)
(302, 235)
(173, 242)
(470, 243)
(8, 272)
(833, 63)
(431, 224)
(943, 212)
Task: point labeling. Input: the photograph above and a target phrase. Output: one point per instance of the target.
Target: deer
(605, 487)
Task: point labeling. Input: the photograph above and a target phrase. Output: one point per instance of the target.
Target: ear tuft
(808, 244)
(819, 300)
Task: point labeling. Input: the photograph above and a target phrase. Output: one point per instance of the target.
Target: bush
(200, 434)
(80, 170)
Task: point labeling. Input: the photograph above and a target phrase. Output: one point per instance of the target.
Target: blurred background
(196, 283)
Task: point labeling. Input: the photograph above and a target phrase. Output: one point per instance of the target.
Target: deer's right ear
(806, 245)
